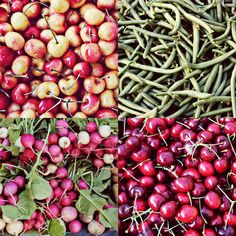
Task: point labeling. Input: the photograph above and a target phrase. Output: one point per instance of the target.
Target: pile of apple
(58, 58)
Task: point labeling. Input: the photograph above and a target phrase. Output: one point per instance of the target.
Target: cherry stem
(34, 4)
(130, 174)
(53, 33)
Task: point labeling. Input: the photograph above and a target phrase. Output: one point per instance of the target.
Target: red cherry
(168, 210)
(212, 200)
(6, 56)
(187, 214)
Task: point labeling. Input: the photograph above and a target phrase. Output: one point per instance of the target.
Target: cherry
(175, 130)
(191, 232)
(210, 182)
(226, 231)
(187, 135)
(137, 191)
(183, 184)
(205, 136)
(143, 154)
(155, 201)
(230, 128)
(216, 220)
(222, 142)
(212, 200)
(208, 153)
(197, 224)
(133, 143)
(154, 218)
(187, 214)
(123, 198)
(182, 198)
(140, 205)
(191, 162)
(221, 165)
(214, 128)
(230, 219)
(154, 142)
(192, 172)
(209, 232)
(176, 148)
(135, 122)
(123, 151)
(161, 176)
(153, 124)
(6, 56)
(206, 168)
(165, 158)
(198, 190)
(168, 210)
(147, 181)
(225, 205)
(124, 211)
(47, 104)
(131, 183)
(147, 168)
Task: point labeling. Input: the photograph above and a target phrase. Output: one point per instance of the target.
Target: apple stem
(34, 4)
(59, 73)
(9, 7)
(26, 94)
(72, 84)
(5, 93)
(53, 33)
(108, 14)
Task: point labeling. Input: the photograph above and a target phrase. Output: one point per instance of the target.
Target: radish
(27, 140)
(104, 131)
(61, 173)
(15, 228)
(69, 214)
(108, 158)
(61, 124)
(12, 200)
(10, 189)
(40, 146)
(58, 159)
(72, 136)
(75, 226)
(64, 142)
(86, 218)
(96, 228)
(96, 138)
(6, 219)
(52, 211)
(54, 150)
(67, 184)
(2, 201)
(83, 137)
(3, 132)
(66, 201)
(91, 127)
(6, 142)
(72, 195)
(51, 169)
(53, 138)
(1, 189)
(19, 144)
(53, 183)
(58, 192)
(2, 224)
(20, 181)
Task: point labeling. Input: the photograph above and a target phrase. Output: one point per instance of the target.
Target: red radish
(75, 226)
(27, 140)
(10, 189)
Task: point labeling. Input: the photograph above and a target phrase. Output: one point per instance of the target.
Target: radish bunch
(62, 155)
(177, 177)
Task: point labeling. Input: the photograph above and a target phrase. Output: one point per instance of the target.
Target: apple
(9, 81)
(91, 52)
(57, 23)
(31, 104)
(30, 114)
(58, 46)
(111, 61)
(60, 6)
(47, 104)
(97, 69)
(3, 15)
(13, 107)
(6, 56)
(89, 34)
(31, 10)
(4, 101)
(111, 79)
(69, 59)
(72, 34)
(53, 67)
(14, 41)
(46, 35)
(106, 113)
(107, 48)
(19, 21)
(47, 90)
(60, 116)
(90, 104)
(105, 4)
(94, 85)
(20, 65)
(35, 48)
(69, 85)
(4, 28)
(107, 99)
(69, 105)
(82, 69)
(108, 31)
(20, 93)
(50, 78)
(32, 32)
(77, 3)
(47, 115)
(34, 87)
(80, 115)
(72, 17)
(94, 16)
(37, 67)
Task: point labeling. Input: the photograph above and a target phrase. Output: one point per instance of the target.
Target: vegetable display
(177, 58)
(58, 176)
(177, 177)
(58, 58)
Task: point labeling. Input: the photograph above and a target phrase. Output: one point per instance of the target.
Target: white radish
(19, 144)
(83, 137)
(1, 189)
(104, 131)
(3, 132)
(108, 158)
(64, 142)
(6, 219)
(86, 218)
(2, 224)
(96, 228)
(51, 169)
(15, 228)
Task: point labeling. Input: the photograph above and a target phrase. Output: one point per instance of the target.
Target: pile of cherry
(58, 58)
(177, 177)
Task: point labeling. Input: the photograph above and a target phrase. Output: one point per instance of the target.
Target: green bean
(132, 105)
(196, 39)
(129, 110)
(217, 112)
(189, 93)
(211, 78)
(212, 100)
(233, 96)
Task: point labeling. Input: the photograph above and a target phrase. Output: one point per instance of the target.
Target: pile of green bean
(177, 58)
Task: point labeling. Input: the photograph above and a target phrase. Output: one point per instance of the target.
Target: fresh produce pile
(177, 177)
(177, 58)
(58, 176)
(58, 58)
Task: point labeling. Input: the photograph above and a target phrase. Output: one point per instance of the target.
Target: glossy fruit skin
(187, 214)
(6, 56)
(168, 210)
(155, 201)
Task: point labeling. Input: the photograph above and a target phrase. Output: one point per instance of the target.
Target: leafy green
(13, 149)
(81, 123)
(113, 216)
(40, 187)
(14, 134)
(102, 180)
(26, 204)
(6, 122)
(56, 228)
(11, 212)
